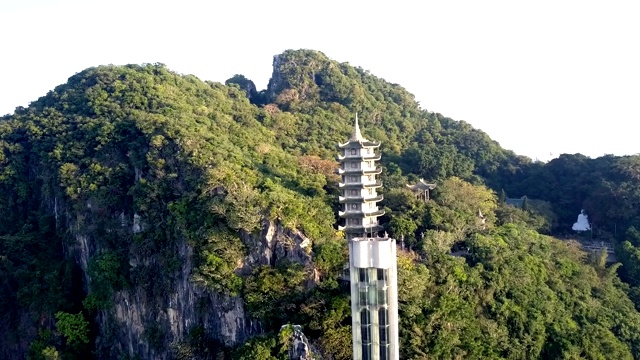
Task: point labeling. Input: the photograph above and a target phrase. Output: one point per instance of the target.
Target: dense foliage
(130, 163)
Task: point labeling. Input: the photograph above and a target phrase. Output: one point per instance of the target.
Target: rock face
(299, 348)
(140, 325)
(277, 81)
(276, 243)
(288, 82)
(147, 324)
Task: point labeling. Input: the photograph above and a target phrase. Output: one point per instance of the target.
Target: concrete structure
(372, 259)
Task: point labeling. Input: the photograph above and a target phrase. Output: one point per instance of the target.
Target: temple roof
(422, 185)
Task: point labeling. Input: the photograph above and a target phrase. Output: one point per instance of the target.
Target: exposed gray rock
(276, 83)
(274, 244)
(143, 324)
(128, 327)
(299, 348)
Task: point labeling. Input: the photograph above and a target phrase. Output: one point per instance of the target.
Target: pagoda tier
(358, 214)
(365, 143)
(367, 185)
(361, 229)
(359, 158)
(359, 199)
(374, 171)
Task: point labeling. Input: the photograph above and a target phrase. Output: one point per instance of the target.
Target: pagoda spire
(357, 135)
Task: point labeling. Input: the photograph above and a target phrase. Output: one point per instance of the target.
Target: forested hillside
(148, 214)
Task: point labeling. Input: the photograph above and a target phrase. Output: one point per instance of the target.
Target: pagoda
(372, 258)
(359, 186)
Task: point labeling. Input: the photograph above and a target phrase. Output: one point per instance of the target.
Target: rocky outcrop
(276, 243)
(148, 323)
(299, 348)
(245, 84)
(295, 76)
(276, 82)
(142, 325)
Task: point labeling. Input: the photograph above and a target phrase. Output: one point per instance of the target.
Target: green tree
(256, 349)
(73, 327)
(50, 353)
(460, 207)
(629, 257)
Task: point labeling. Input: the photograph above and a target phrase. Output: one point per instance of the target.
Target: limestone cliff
(149, 325)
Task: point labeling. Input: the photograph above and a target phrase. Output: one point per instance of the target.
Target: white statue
(582, 224)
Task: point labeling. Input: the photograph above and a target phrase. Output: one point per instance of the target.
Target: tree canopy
(136, 161)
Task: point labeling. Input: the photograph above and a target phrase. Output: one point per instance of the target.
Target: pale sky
(541, 78)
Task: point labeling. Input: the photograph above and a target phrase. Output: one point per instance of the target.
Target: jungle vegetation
(205, 162)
